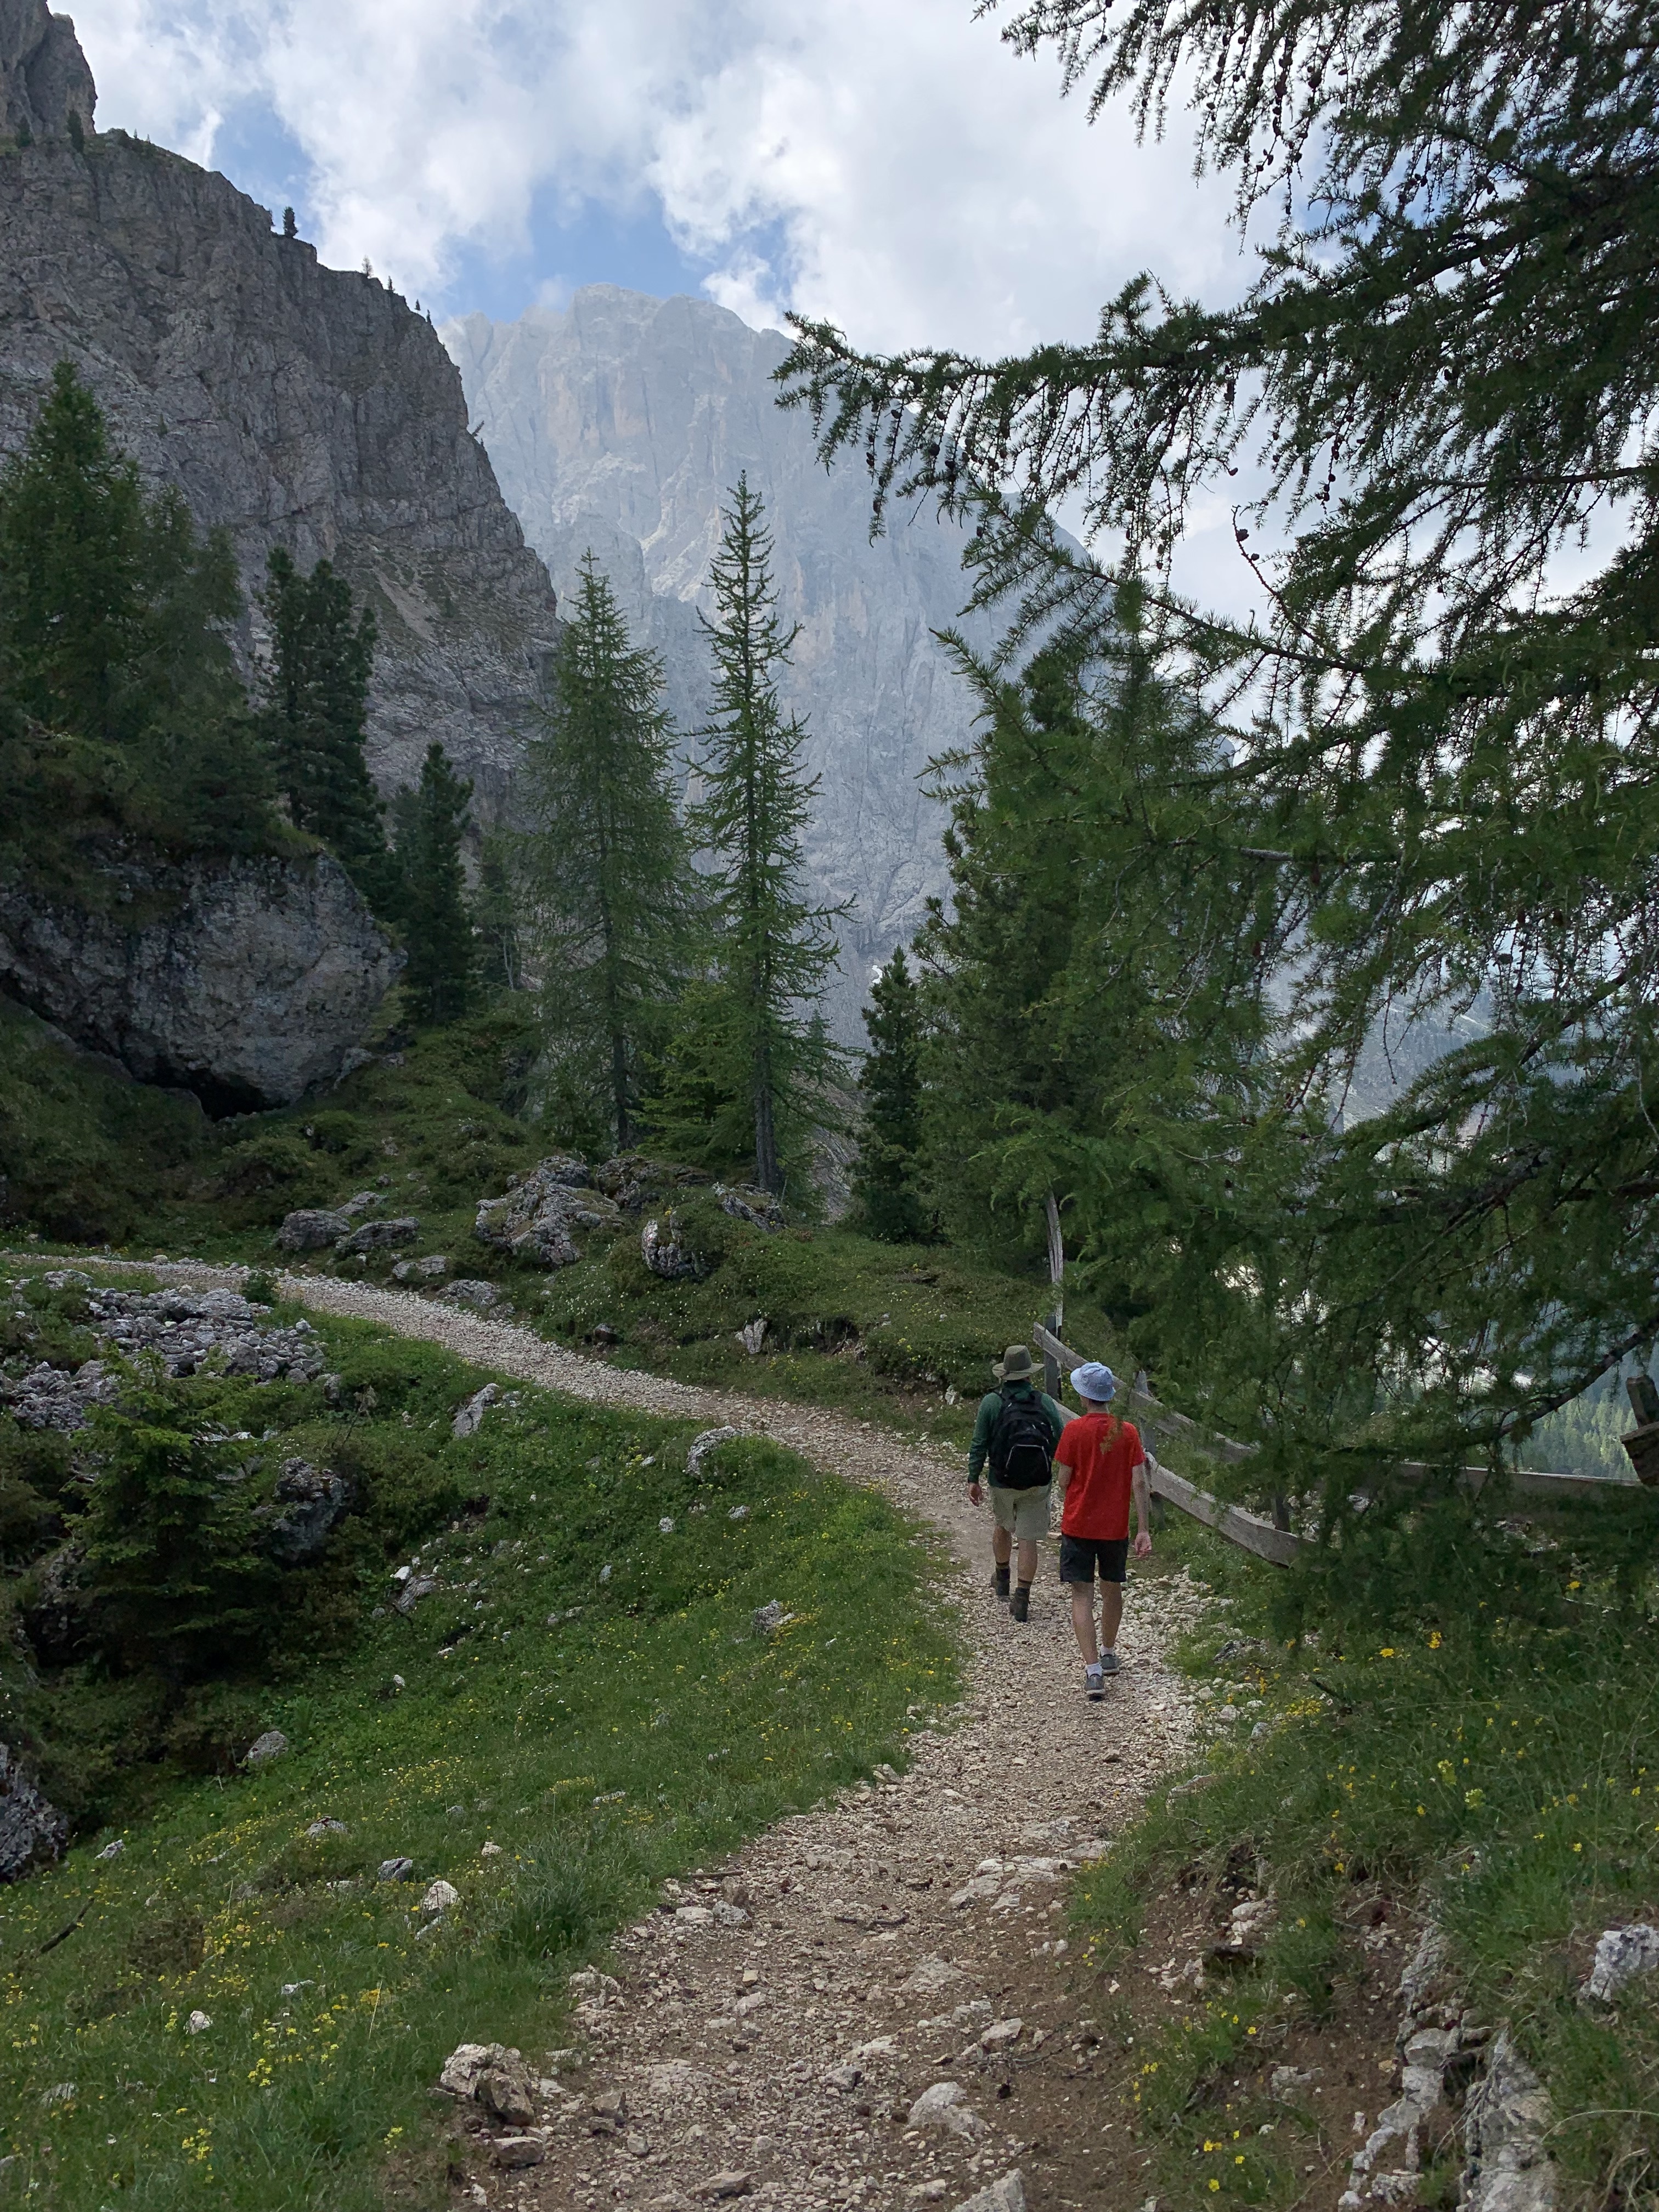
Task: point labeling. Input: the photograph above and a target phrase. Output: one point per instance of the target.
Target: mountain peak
(43, 76)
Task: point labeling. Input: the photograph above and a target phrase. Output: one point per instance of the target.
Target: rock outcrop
(291, 404)
(621, 424)
(44, 77)
(245, 981)
(31, 1830)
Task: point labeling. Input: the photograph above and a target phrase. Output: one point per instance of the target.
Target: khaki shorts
(1023, 1513)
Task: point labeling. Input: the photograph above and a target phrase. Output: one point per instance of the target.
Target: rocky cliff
(621, 423)
(248, 981)
(290, 402)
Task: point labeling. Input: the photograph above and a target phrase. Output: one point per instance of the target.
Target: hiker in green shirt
(1017, 1431)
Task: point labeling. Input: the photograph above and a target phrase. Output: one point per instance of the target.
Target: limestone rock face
(621, 424)
(294, 405)
(44, 77)
(247, 980)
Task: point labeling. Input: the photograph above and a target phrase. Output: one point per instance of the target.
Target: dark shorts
(1080, 1555)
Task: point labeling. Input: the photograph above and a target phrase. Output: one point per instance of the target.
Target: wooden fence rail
(1248, 1530)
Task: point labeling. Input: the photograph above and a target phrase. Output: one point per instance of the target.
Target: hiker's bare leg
(1083, 1621)
(1002, 1544)
(1027, 1563)
(1111, 1614)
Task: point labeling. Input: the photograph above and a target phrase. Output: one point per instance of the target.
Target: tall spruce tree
(122, 700)
(774, 947)
(316, 704)
(432, 820)
(1441, 750)
(605, 864)
(888, 1181)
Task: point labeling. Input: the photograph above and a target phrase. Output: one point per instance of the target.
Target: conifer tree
(122, 702)
(496, 915)
(316, 703)
(176, 1580)
(431, 897)
(1438, 724)
(775, 948)
(887, 1182)
(605, 863)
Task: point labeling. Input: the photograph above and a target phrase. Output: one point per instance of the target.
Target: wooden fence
(1268, 1539)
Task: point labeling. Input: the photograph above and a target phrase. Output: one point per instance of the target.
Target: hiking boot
(1094, 1684)
(1019, 1605)
(999, 1583)
(1108, 1663)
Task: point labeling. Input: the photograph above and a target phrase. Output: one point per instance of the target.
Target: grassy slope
(1500, 1765)
(876, 1329)
(644, 1733)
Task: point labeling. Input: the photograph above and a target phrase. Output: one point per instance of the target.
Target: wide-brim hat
(1015, 1365)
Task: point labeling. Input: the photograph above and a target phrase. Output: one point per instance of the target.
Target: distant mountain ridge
(621, 423)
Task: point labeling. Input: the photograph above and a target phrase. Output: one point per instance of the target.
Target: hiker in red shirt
(1099, 1463)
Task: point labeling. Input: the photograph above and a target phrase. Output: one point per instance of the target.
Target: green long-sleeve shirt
(989, 1407)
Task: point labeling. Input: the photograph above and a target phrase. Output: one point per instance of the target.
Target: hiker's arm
(981, 1443)
(1143, 1497)
(977, 1449)
(1061, 1478)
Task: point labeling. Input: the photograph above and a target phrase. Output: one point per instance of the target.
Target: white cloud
(894, 168)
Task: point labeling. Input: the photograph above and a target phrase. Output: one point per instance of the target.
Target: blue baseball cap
(1097, 1384)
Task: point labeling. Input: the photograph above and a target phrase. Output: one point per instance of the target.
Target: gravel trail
(768, 2032)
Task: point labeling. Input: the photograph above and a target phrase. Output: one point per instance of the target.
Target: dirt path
(768, 2032)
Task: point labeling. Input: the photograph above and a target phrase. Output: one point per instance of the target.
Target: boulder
(469, 1418)
(709, 1440)
(666, 1250)
(32, 1830)
(471, 1290)
(1621, 1953)
(272, 1745)
(245, 979)
(635, 1182)
(1008, 2195)
(759, 1208)
(312, 1229)
(309, 1505)
(377, 1236)
(537, 1218)
(944, 2107)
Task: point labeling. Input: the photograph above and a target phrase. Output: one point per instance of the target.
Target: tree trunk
(766, 1141)
(619, 1090)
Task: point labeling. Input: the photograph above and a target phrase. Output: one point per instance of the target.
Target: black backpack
(1022, 1451)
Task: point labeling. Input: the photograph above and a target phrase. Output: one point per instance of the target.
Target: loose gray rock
(1621, 1953)
(50, 1398)
(734, 2182)
(377, 1236)
(507, 2088)
(1008, 2195)
(514, 2153)
(32, 1829)
(394, 1870)
(416, 1588)
(312, 1229)
(944, 2107)
(265, 1748)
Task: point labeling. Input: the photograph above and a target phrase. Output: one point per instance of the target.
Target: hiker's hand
(974, 1493)
(1143, 1546)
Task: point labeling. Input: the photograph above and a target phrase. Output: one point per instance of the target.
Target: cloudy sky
(888, 162)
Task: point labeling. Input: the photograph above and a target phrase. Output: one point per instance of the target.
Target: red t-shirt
(1102, 1453)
